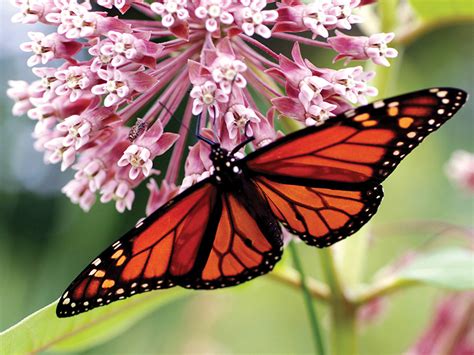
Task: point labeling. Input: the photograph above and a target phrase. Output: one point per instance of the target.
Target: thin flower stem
(165, 97)
(257, 59)
(383, 288)
(313, 319)
(259, 45)
(152, 23)
(291, 277)
(301, 40)
(178, 150)
(268, 91)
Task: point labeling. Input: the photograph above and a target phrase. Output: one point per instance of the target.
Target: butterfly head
(224, 162)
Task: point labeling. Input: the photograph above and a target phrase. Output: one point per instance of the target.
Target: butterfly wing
(202, 239)
(320, 216)
(156, 254)
(360, 148)
(323, 183)
(247, 244)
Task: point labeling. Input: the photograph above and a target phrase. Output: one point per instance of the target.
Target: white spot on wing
(379, 104)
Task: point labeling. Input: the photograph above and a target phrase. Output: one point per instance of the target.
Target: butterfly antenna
(172, 115)
(241, 145)
(198, 134)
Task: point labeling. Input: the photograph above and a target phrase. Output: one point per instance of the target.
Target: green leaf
(440, 9)
(44, 330)
(450, 268)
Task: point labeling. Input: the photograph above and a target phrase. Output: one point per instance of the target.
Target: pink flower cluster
(108, 87)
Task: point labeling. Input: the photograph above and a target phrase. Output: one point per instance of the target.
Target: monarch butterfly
(322, 183)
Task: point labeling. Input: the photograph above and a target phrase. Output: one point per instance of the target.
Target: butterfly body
(321, 183)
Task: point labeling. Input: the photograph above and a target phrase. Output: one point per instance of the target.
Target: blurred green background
(45, 240)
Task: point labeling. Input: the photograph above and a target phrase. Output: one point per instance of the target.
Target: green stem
(343, 334)
(318, 340)
(292, 277)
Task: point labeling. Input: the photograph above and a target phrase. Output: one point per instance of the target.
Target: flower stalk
(312, 315)
(343, 332)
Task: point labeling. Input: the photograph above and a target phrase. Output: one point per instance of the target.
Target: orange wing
(202, 239)
(244, 247)
(156, 254)
(359, 149)
(320, 216)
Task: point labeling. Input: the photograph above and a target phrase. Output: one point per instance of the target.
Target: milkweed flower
(460, 169)
(108, 86)
(451, 330)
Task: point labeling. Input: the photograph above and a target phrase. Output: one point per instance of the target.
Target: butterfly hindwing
(360, 148)
(243, 247)
(205, 238)
(320, 216)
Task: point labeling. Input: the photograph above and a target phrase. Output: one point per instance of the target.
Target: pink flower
(214, 12)
(77, 131)
(252, 17)
(227, 71)
(73, 82)
(351, 83)
(171, 11)
(451, 330)
(240, 118)
(342, 9)
(19, 92)
(378, 50)
(194, 57)
(94, 171)
(460, 169)
(145, 148)
(119, 191)
(374, 47)
(77, 190)
(56, 152)
(31, 11)
(207, 95)
(139, 159)
(318, 16)
(122, 5)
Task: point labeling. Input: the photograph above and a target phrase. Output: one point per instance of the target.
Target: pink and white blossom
(240, 119)
(139, 160)
(252, 18)
(352, 84)
(207, 95)
(202, 57)
(73, 82)
(213, 13)
(378, 50)
(318, 16)
(77, 131)
(119, 191)
(171, 11)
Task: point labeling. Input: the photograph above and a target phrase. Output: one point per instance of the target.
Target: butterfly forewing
(360, 148)
(154, 255)
(323, 183)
